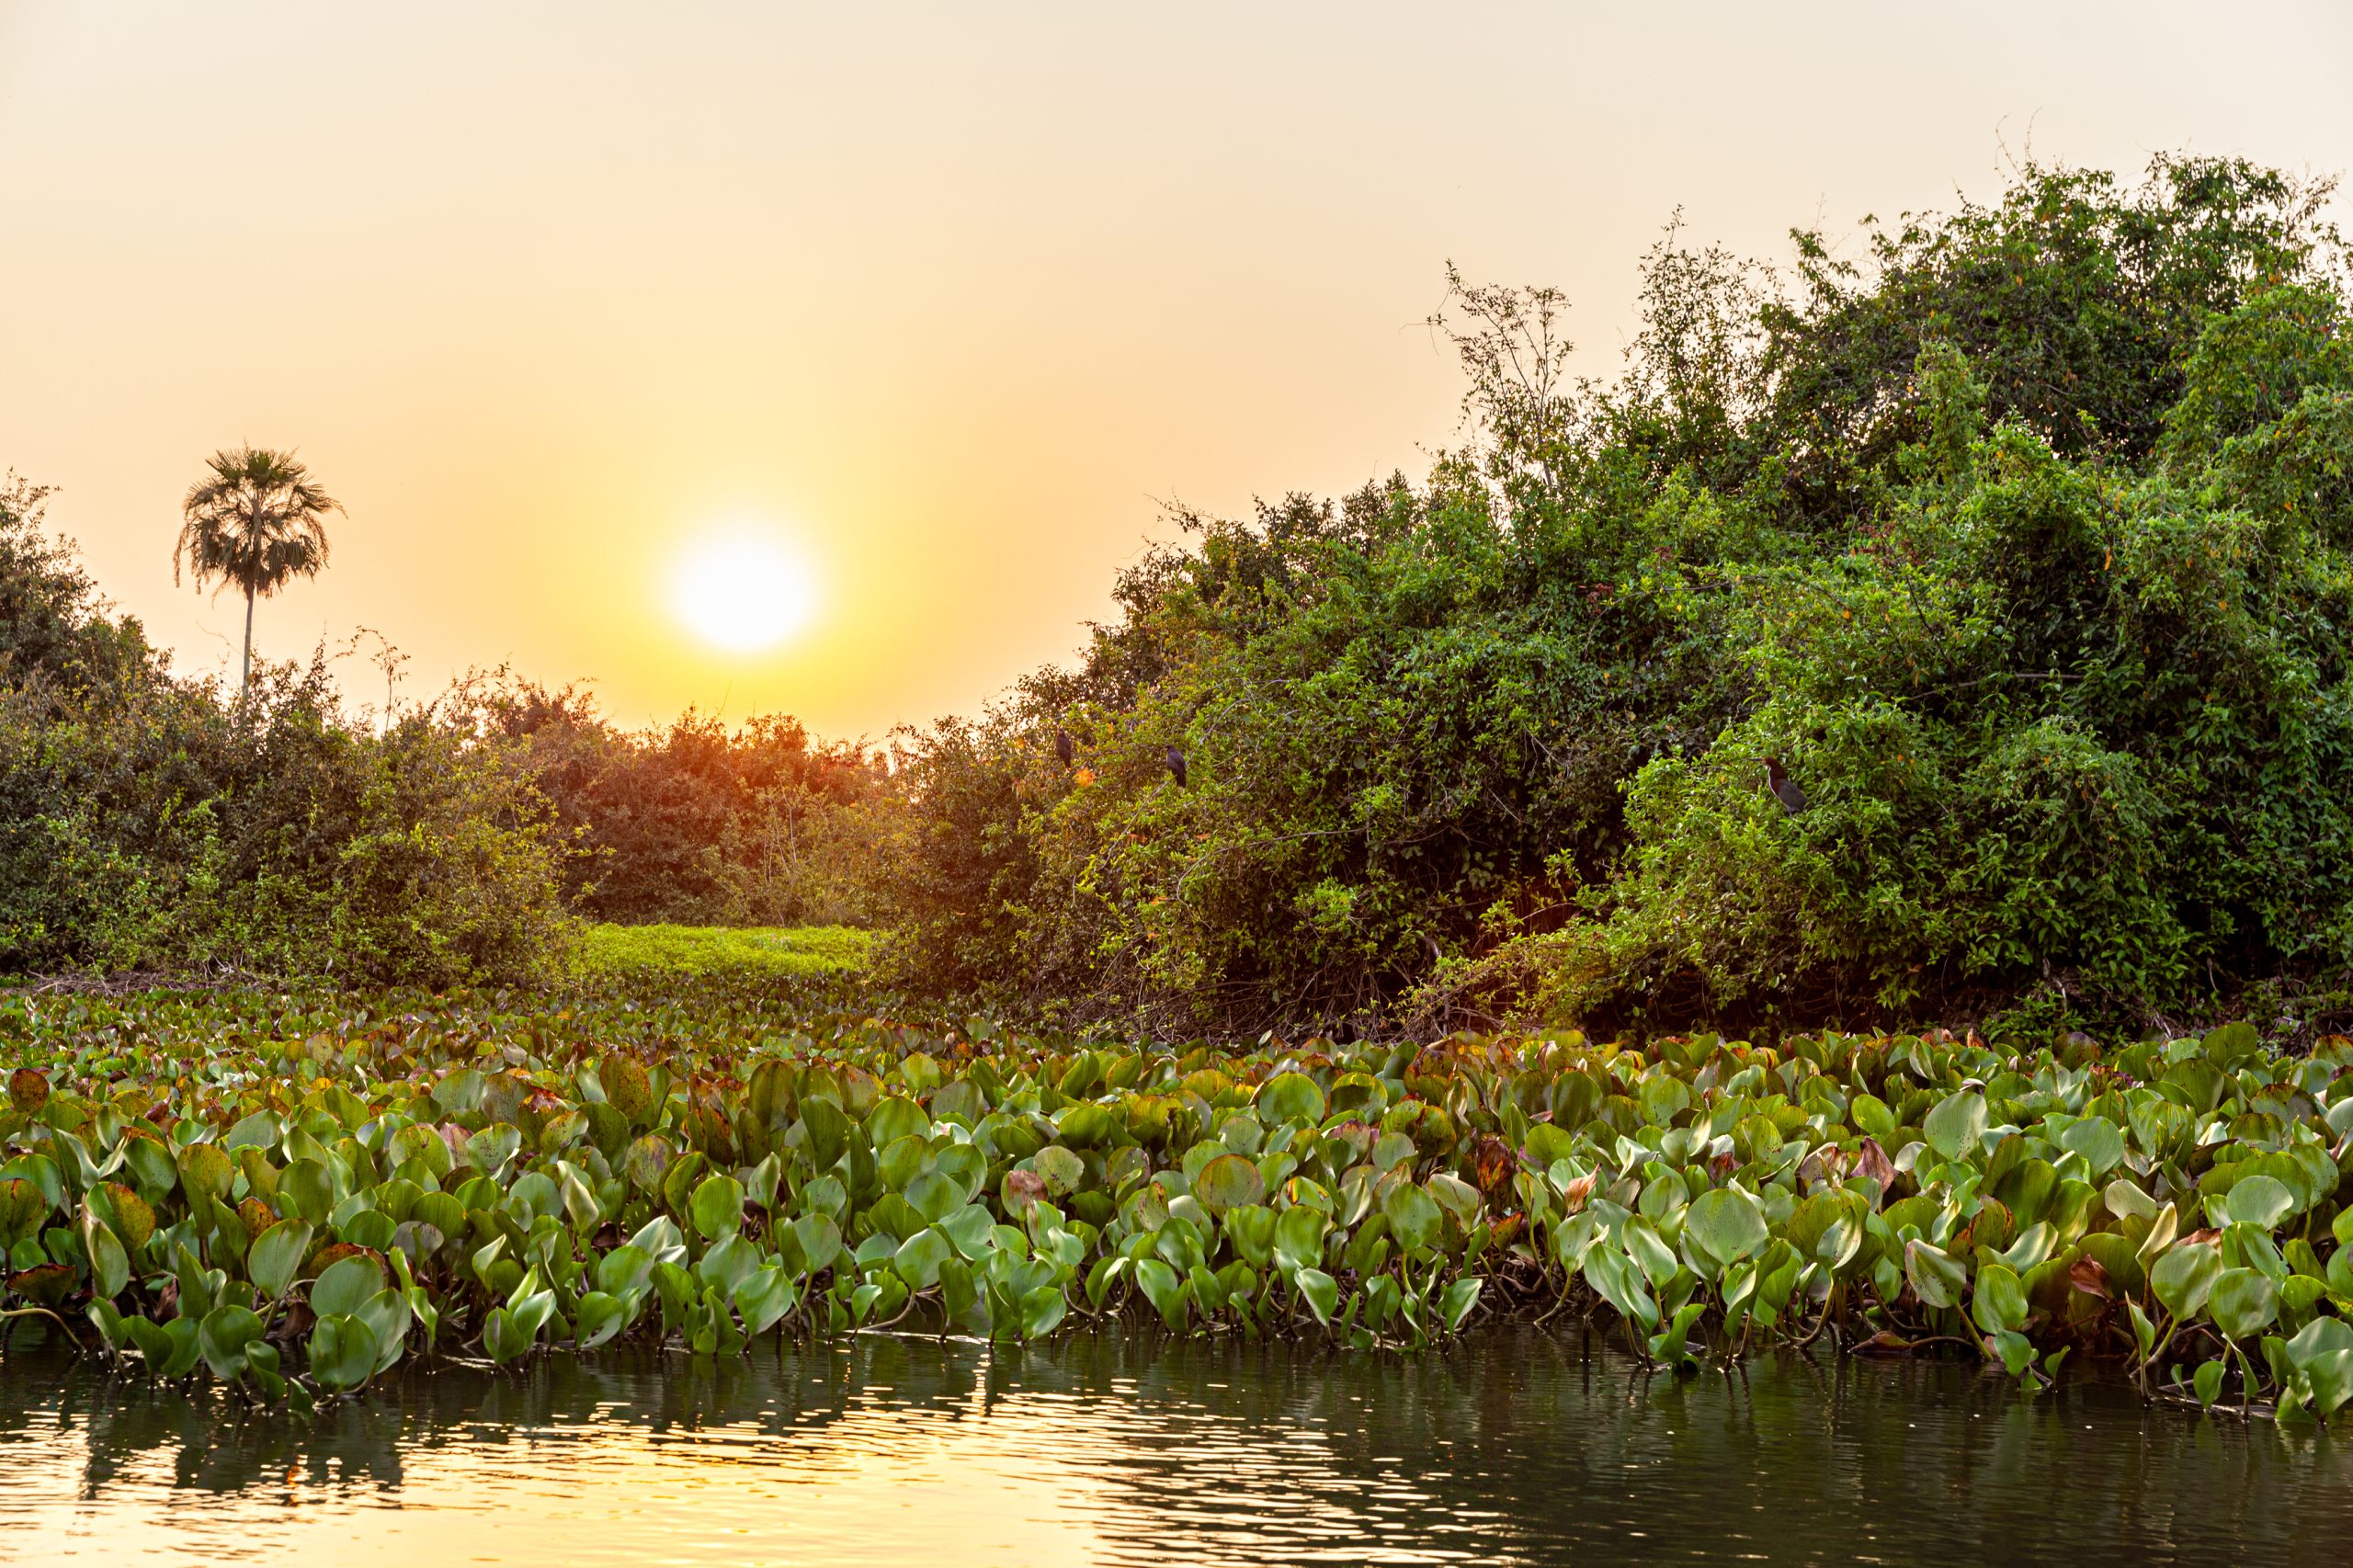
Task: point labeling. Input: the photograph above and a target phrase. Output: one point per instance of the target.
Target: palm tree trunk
(246, 666)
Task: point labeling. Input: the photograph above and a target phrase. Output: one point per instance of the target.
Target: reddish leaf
(1871, 1160)
(49, 1284)
(28, 1090)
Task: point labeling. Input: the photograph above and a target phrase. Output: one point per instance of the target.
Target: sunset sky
(935, 304)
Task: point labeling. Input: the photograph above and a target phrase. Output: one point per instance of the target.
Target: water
(1513, 1448)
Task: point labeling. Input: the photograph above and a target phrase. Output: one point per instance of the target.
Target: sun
(742, 588)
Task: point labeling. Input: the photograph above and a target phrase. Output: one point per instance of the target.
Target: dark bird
(1062, 749)
(1785, 789)
(1176, 765)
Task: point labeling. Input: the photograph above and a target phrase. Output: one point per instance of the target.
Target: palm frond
(254, 523)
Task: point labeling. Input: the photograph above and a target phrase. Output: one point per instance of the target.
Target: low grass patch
(779, 952)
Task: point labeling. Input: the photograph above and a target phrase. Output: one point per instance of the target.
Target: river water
(1513, 1446)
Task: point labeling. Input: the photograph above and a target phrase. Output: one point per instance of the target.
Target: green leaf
(1997, 1300)
(1320, 1291)
(1163, 1289)
(827, 1131)
(765, 1298)
(489, 1150)
(2244, 1302)
(152, 1165)
(1250, 1230)
(339, 1290)
(109, 1265)
(1289, 1097)
(261, 1366)
(1459, 1300)
(368, 1228)
(717, 1208)
(1727, 1224)
(173, 1351)
(2145, 1332)
(1226, 1183)
(971, 1230)
(223, 1336)
(2331, 1376)
(820, 1240)
(2126, 1200)
(2259, 1200)
(2231, 1044)
(600, 1317)
(1414, 1218)
(1060, 1169)
(113, 1328)
(505, 1335)
(1299, 1236)
(2033, 1246)
(1042, 1310)
(1614, 1277)
(2099, 1141)
(1936, 1277)
(343, 1353)
(309, 1187)
(1106, 1272)
(728, 1265)
(1955, 1124)
(257, 1130)
(2185, 1276)
(1085, 1125)
(625, 1272)
(919, 1256)
(2321, 1337)
(934, 1196)
(154, 1345)
(387, 1315)
(532, 1310)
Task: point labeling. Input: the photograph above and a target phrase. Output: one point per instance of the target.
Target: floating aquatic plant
(293, 1199)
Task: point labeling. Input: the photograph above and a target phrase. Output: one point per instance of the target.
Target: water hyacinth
(293, 1201)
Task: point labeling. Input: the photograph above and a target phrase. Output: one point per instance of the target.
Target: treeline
(152, 822)
(697, 825)
(1950, 624)
(2012, 544)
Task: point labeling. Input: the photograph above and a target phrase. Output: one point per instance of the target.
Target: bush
(146, 824)
(697, 825)
(2023, 547)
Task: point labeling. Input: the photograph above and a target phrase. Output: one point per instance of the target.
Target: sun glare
(742, 589)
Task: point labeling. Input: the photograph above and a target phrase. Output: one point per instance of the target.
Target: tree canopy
(2019, 537)
(255, 523)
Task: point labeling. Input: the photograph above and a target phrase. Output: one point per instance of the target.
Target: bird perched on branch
(1063, 747)
(1176, 765)
(1785, 789)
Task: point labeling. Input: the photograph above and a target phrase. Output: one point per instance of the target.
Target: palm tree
(254, 525)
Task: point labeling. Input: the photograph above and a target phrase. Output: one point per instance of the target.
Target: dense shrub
(2022, 544)
(146, 823)
(695, 824)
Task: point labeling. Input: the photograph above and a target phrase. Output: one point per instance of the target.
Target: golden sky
(943, 300)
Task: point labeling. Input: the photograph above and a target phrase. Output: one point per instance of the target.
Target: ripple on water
(1515, 1448)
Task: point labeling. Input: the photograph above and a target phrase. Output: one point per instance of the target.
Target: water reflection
(1516, 1447)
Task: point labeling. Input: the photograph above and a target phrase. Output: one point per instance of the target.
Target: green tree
(254, 525)
(2021, 544)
